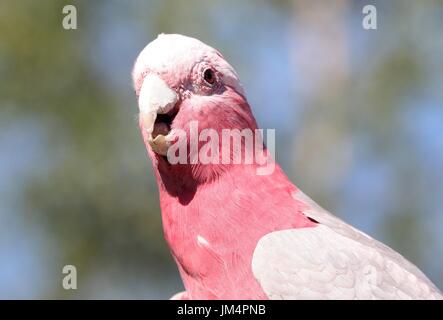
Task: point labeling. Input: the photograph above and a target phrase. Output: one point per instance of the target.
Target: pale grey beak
(156, 97)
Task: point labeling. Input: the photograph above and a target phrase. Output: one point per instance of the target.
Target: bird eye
(209, 76)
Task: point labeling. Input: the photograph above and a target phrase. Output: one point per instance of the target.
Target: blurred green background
(358, 113)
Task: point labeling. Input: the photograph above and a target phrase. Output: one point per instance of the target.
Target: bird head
(179, 80)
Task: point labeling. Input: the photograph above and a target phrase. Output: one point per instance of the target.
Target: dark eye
(209, 76)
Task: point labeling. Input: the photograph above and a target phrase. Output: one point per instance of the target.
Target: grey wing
(334, 261)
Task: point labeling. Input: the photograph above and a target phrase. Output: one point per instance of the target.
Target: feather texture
(334, 261)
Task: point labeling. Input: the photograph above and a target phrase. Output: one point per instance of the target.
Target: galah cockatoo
(234, 233)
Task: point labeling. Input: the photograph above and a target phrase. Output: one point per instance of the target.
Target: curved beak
(156, 97)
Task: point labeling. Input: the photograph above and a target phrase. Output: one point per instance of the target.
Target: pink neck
(231, 213)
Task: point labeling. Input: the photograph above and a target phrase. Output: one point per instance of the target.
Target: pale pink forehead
(170, 53)
(172, 56)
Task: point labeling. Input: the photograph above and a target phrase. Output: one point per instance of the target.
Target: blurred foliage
(95, 200)
(94, 194)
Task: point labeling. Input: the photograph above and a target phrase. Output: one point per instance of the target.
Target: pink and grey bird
(236, 234)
